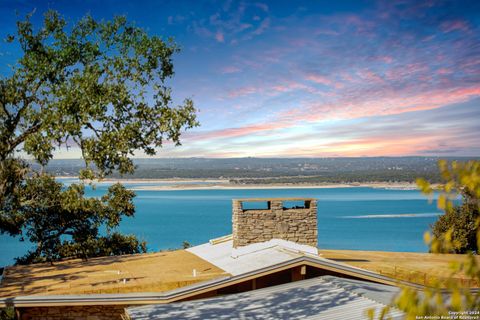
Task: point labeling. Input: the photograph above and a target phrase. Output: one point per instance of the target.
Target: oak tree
(101, 87)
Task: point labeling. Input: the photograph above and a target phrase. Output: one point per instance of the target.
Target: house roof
(155, 272)
(166, 277)
(274, 254)
(319, 298)
(213, 262)
(192, 290)
(263, 255)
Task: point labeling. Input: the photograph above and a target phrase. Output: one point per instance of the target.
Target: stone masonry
(298, 224)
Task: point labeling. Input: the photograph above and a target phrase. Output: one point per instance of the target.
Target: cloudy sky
(312, 78)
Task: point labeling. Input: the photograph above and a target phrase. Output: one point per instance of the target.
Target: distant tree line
(341, 177)
(275, 170)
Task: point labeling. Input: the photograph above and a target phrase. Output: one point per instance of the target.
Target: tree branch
(21, 138)
(95, 130)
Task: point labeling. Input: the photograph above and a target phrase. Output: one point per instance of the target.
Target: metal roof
(271, 257)
(378, 292)
(318, 298)
(220, 255)
(294, 259)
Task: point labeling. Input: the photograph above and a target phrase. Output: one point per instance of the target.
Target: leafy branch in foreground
(458, 178)
(99, 87)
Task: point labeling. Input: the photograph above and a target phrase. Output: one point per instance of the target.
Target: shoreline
(398, 186)
(178, 184)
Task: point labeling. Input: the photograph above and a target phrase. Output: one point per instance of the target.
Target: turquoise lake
(348, 218)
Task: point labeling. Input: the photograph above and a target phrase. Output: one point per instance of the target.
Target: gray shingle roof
(318, 298)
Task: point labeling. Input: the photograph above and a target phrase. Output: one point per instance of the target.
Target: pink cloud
(470, 66)
(269, 90)
(235, 132)
(345, 109)
(386, 59)
(230, 69)
(219, 36)
(288, 86)
(264, 25)
(325, 81)
(376, 146)
(363, 26)
(460, 25)
(319, 79)
(244, 26)
(242, 91)
(347, 77)
(405, 71)
(385, 103)
(444, 71)
(371, 143)
(370, 76)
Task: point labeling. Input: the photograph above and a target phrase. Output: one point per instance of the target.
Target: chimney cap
(273, 199)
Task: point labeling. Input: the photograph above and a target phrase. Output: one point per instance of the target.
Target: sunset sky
(310, 78)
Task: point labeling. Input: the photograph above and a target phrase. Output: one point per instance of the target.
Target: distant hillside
(276, 170)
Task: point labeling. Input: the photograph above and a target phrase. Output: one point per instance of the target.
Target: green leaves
(424, 186)
(98, 86)
(456, 231)
(64, 223)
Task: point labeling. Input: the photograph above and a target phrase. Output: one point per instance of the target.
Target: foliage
(457, 178)
(97, 86)
(64, 223)
(110, 245)
(459, 222)
(7, 313)
(100, 86)
(462, 221)
(186, 245)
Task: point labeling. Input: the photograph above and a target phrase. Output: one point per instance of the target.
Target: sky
(309, 78)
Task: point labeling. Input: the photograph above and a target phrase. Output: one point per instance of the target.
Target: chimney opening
(256, 205)
(296, 204)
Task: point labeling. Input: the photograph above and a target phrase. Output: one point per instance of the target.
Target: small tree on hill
(462, 221)
(97, 86)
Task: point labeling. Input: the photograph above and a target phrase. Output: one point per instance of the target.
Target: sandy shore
(222, 184)
(231, 186)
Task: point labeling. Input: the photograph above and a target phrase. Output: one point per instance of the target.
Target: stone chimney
(274, 221)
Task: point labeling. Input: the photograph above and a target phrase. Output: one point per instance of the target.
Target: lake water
(348, 218)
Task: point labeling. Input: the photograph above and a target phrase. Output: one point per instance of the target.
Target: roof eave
(198, 288)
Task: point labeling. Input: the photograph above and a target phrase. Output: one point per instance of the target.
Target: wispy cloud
(219, 36)
(313, 78)
(234, 22)
(230, 69)
(319, 79)
(455, 25)
(243, 91)
(447, 130)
